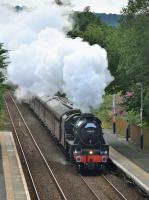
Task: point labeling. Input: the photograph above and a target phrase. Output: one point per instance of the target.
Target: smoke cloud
(43, 60)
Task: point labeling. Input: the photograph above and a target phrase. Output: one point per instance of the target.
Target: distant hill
(109, 19)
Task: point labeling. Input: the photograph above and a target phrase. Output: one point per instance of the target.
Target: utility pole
(141, 116)
(114, 114)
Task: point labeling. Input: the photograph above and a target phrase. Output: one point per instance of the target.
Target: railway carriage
(80, 134)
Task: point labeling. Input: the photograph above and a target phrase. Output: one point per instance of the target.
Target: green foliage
(104, 113)
(136, 7)
(127, 46)
(1, 106)
(94, 34)
(59, 2)
(89, 26)
(132, 117)
(113, 47)
(133, 66)
(3, 64)
(3, 118)
(3, 57)
(60, 94)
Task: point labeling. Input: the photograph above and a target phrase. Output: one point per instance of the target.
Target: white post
(141, 119)
(114, 113)
(141, 116)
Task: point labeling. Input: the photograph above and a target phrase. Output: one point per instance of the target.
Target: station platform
(12, 181)
(133, 161)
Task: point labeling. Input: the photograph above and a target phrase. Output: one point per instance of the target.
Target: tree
(3, 64)
(61, 2)
(82, 20)
(113, 47)
(133, 64)
(94, 35)
(127, 46)
(136, 7)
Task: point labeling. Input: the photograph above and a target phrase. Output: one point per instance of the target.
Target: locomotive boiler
(80, 134)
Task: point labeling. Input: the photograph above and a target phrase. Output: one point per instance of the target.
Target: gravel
(70, 181)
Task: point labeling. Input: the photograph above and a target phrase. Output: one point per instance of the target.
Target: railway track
(115, 189)
(100, 195)
(90, 188)
(23, 154)
(26, 132)
(70, 185)
(46, 168)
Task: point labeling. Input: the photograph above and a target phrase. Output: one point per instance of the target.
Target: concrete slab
(134, 172)
(2, 181)
(137, 156)
(15, 184)
(132, 161)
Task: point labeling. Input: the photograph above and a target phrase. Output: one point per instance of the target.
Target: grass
(3, 118)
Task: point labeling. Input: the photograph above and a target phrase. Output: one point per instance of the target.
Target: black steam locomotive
(80, 134)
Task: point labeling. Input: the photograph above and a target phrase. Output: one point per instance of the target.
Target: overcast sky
(108, 6)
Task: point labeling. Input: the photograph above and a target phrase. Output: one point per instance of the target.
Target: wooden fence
(121, 126)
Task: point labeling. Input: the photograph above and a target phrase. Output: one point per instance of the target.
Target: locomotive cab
(87, 131)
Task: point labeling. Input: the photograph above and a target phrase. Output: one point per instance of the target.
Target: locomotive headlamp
(75, 151)
(91, 152)
(105, 152)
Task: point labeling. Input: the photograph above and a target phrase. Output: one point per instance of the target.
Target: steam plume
(44, 60)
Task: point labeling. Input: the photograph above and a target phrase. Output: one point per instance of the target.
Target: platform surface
(2, 181)
(12, 181)
(133, 161)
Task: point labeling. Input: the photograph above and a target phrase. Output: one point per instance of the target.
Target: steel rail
(113, 187)
(28, 169)
(44, 159)
(92, 191)
(118, 192)
(47, 165)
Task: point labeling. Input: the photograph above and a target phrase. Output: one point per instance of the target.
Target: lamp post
(141, 116)
(114, 113)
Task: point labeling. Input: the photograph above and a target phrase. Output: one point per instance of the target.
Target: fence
(121, 126)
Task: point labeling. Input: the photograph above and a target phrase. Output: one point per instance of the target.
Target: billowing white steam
(44, 61)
